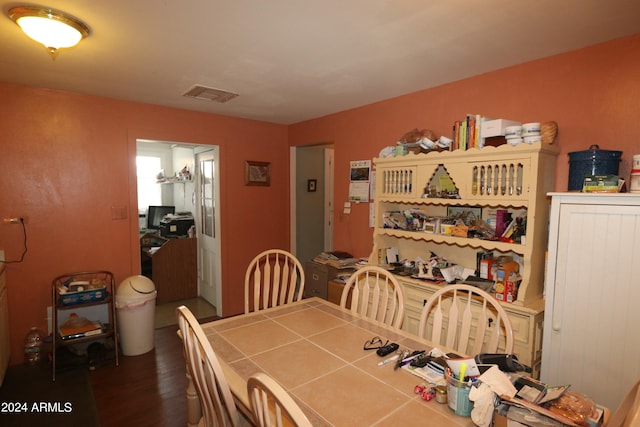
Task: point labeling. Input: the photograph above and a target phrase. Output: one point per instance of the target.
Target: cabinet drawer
(411, 320)
(316, 277)
(521, 328)
(416, 296)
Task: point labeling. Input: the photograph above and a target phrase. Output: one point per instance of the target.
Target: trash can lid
(136, 286)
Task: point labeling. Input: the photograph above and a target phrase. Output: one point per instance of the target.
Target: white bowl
(531, 129)
(513, 132)
(531, 139)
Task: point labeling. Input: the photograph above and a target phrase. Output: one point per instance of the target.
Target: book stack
(336, 259)
(467, 132)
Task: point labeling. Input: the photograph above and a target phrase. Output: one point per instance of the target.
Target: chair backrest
(628, 413)
(272, 405)
(274, 277)
(376, 294)
(463, 310)
(216, 400)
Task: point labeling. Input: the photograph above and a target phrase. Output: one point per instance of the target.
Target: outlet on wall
(15, 220)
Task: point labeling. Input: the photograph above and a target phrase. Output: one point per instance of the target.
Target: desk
(313, 348)
(173, 266)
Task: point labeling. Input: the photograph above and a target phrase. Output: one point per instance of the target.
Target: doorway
(312, 200)
(198, 194)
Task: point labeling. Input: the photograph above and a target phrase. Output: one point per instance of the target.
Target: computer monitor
(155, 215)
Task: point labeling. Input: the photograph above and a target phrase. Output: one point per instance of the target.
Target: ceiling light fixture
(54, 29)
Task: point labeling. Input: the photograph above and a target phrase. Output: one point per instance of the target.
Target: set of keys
(402, 358)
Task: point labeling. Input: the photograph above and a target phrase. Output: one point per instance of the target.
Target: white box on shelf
(496, 127)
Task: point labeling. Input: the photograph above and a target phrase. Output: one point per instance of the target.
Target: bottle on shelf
(32, 347)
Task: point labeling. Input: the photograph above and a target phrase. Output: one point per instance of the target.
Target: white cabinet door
(591, 338)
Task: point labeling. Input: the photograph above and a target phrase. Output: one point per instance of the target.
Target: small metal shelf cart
(72, 291)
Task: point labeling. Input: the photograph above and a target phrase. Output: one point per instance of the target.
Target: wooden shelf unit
(520, 178)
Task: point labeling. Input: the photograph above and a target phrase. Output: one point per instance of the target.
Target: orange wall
(67, 159)
(593, 94)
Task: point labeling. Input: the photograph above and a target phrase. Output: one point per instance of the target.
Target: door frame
(135, 259)
(328, 195)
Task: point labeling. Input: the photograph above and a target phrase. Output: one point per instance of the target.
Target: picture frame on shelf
(257, 173)
(467, 213)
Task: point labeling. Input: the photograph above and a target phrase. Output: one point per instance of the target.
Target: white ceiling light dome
(53, 29)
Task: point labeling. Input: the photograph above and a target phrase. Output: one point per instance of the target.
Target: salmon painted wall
(68, 160)
(592, 93)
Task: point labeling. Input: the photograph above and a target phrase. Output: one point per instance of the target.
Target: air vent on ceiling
(209, 94)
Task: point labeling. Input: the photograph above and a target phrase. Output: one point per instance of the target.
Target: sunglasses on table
(375, 343)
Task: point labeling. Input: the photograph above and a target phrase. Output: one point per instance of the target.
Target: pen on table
(389, 360)
(410, 358)
(403, 356)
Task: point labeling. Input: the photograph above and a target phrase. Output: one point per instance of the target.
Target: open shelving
(515, 178)
(68, 302)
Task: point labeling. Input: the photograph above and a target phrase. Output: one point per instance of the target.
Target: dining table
(315, 350)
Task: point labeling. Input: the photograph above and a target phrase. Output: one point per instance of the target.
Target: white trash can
(135, 308)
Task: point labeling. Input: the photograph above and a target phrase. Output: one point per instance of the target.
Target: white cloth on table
(492, 382)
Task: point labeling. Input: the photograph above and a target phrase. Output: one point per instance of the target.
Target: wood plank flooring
(145, 390)
(149, 389)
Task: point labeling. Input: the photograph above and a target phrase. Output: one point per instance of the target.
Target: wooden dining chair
(375, 293)
(272, 405)
(274, 277)
(216, 400)
(473, 321)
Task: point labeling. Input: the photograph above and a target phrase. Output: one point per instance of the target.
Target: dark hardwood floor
(145, 390)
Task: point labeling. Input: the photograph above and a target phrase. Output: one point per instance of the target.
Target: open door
(312, 200)
(208, 226)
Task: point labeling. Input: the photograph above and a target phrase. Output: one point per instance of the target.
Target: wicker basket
(548, 132)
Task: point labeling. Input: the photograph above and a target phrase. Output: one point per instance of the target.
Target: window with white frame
(149, 192)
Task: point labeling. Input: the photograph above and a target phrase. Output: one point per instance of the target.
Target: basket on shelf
(81, 288)
(82, 297)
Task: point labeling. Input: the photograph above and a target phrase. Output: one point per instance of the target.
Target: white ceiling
(293, 60)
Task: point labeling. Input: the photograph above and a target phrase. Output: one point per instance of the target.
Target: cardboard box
(502, 421)
(496, 127)
(598, 419)
(432, 226)
(600, 184)
(507, 281)
(486, 265)
(508, 416)
(460, 230)
(508, 293)
(521, 417)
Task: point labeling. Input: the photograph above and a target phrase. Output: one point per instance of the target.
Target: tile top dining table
(314, 349)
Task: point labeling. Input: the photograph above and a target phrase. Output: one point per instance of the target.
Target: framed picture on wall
(311, 185)
(257, 173)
